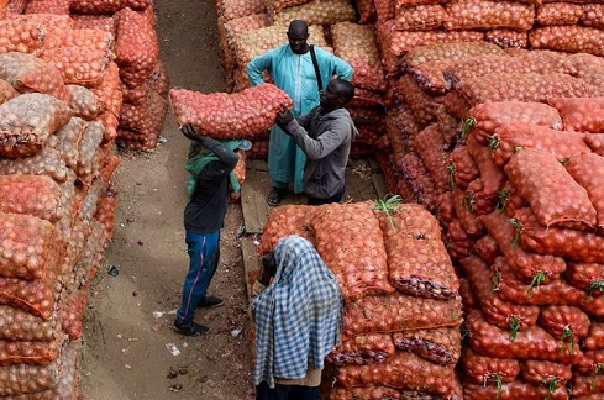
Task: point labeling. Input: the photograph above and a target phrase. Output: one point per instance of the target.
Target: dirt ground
(126, 355)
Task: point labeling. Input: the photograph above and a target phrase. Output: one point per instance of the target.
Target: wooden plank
(251, 262)
(249, 193)
(379, 183)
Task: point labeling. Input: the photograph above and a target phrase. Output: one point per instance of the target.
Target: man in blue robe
(293, 71)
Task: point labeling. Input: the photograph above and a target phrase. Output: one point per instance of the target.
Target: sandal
(274, 198)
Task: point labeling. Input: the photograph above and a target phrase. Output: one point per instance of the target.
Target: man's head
(297, 34)
(337, 94)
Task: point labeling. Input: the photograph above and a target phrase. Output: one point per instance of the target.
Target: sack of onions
(89, 146)
(511, 391)
(317, 12)
(570, 39)
(588, 170)
(40, 355)
(108, 91)
(105, 23)
(425, 17)
(439, 345)
(356, 44)
(232, 9)
(55, 7)
(106, 213)
(29, 74)
(275, 6)
(106, 6)
(479, 369)
(366, 12)
(73, 312)
(34, 195)
(223, 116)
(559, 13)
(585, 115)
(595, 141)
(422, 183)
(506, 38)
(489, 14)
(7, 92)
(366, 349)
(83, 102)
(593, 15)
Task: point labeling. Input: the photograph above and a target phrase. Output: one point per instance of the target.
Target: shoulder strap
(313, 57)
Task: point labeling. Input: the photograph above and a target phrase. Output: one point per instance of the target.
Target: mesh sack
(396, 137)
(91, 258)
(589, 67)
(253, 43)
(366, 98)
(440, 345)
(587, 385)
(468, 297)
(537, 292)
(47, 162)
(464, 203)
(589, 363)
(481, 201)
(429, 76)
(27, 121)
(481, 370)
(487, 249)
(159, 81)
(404, 371)
(31, 353)
(491, 174)
(24, 326)
(14, 7)
(77, 240)
(565, 323)
(525, 266)
(397, 313)
(588, 170)
(425, 17)
(507, 38)
(512, 391)
(67, 140)
(366, 393)
(106, 213)
(532, 343)
(570, 39)
(285, 221)
(238, 26)
(80, 55)
(556, 199)
(367, 115)
(317, 12)
(108, 91)
(545, 372)
(276, 6)
(448, 125)
(360, 272)
(429, 146)
(422, 183)
(448, 51)
(7, 92)
(91, 199)
(593, 15)
(135, 117)
(104, 23)
(418, 261)
(24, 30)
(106, 6)
(495, 310)
(20, 381)
(110, 123)
(373, 348)
(212, 114)
(511, 138)
(136, 48)
(28, 74)
(595, 141)
(73, 312)
(259, 149)
(585, 115)
(357, 45)
(559, 13)
(83, 102)
(136, 95)
(586, 277)
(34, 195)
(461, 70)
(87, 162)
(396, 43)
(55, 7)
(384, 10)
(232, 9)
(423, 106)
(489, 14)
(524, 87)
(487, 117)
(464, 167)
(35, 297)
(26, 247)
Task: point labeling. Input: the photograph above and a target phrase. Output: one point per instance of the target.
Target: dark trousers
(204, 254)
(336, 198)
(286, 392)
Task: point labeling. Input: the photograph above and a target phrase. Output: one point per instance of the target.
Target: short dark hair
(298, 26)
(345, 89)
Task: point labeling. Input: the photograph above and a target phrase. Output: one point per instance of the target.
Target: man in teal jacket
(293, 71)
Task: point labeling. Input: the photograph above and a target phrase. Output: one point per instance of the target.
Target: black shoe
(210, 301)
(190, 329)
(274, 197)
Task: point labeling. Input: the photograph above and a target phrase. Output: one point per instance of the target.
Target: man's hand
(284, 117)
(190, 132)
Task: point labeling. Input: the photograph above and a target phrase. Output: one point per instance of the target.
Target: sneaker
(210, 301)
(190, 329)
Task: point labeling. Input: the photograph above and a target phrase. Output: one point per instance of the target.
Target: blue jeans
(286, 392)
(204, 254)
